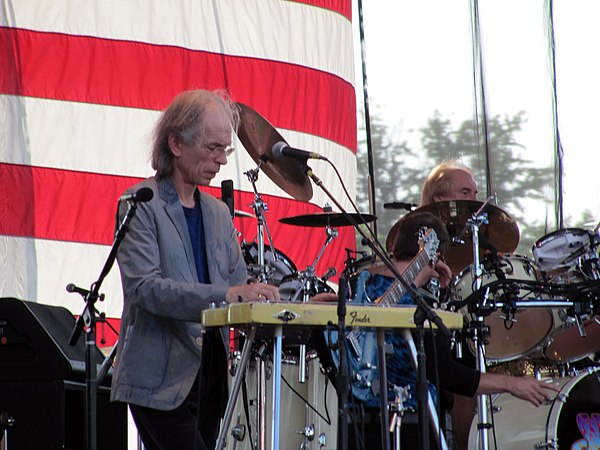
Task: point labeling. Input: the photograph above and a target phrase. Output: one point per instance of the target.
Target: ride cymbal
(327, 219)
(501, 232)
(258, 137)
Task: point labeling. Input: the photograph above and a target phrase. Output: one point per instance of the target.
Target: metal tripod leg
(243, 368)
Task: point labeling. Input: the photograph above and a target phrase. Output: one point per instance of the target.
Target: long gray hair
(184, 117)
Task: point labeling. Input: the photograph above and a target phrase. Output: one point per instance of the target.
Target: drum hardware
(308, 280)
(397, 407)
(260, 207)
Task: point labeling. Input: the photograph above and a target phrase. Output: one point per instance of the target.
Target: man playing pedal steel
(180, 255)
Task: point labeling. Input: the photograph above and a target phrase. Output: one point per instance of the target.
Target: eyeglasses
(216, 149)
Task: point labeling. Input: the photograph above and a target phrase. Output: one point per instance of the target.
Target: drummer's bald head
(403, 239)
(440, 182)
(184, 118)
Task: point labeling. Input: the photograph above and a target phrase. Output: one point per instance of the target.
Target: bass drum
(508, 340)
(311, 405)
(278, 264)
(570, 421)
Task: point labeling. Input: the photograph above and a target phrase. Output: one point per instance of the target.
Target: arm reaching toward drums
(526, 388)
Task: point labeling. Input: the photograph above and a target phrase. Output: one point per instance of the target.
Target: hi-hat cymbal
(259, 136)
(501, 231)
(327, 219)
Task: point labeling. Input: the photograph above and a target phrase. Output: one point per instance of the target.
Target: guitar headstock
(429, 242)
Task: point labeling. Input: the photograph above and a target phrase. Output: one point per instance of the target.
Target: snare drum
(296, 415)
(508, 340)
(559, 254)
(570, 421)
(277, 268)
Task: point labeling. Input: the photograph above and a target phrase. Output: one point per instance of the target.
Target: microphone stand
(423, 312)
(87, 322)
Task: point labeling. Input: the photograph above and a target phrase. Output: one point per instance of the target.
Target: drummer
(448, 181)
(452, 181)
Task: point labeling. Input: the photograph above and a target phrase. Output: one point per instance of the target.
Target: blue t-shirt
(193, 217)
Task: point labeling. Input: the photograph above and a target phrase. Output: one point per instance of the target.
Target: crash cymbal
(324, 219)
(258, 137)
(502, 232)
(243, 214)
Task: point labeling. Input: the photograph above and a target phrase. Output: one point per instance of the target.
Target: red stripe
(343, 7)
(139, 75)
(80, 207)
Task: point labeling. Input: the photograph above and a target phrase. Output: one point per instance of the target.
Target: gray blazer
(160, 341)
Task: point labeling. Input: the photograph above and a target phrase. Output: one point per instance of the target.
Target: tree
(517, 183)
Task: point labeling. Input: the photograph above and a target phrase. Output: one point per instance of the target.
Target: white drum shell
(295, 415)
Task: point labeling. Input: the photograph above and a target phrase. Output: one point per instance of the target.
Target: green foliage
(400, 169)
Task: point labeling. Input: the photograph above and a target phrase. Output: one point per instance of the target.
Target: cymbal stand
(260, 207)
(483, 425)
(308, 275)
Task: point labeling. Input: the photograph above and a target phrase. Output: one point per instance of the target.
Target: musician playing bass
(453, 376)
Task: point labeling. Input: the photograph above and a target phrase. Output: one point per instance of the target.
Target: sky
(418, 59)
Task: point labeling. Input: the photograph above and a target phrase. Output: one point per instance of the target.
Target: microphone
(141, 196)
(72, 288)
(330, 272)
(281, 149)
(227, 195)
(400, 205)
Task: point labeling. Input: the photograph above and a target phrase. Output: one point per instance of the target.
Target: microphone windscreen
(227, 195)
(144, 194)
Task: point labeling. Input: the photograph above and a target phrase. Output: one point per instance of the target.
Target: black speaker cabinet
(42, 382)
(51, 415)
(34, 343)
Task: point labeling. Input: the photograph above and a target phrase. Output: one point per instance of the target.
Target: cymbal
(502, 232)
(243, 214)
(258, 137)
(324, 219)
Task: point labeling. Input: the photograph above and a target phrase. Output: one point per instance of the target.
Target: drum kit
(543, 309)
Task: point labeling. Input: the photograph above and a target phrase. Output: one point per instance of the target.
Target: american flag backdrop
(81, 85)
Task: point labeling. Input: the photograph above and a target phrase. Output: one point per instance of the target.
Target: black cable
(327, 420)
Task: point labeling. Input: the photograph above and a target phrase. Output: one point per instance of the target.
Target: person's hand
(324, 297)
(439, 270)
(533, 390)
(255, 292)
(443, 273)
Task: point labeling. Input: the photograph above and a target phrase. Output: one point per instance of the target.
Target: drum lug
(308, 432)
(546, 445)
(322, 440)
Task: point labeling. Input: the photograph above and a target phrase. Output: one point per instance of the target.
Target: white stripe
(116, 141)
(39, 270)
(270, 29)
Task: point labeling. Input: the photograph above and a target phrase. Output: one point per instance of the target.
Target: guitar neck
(397, 290)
